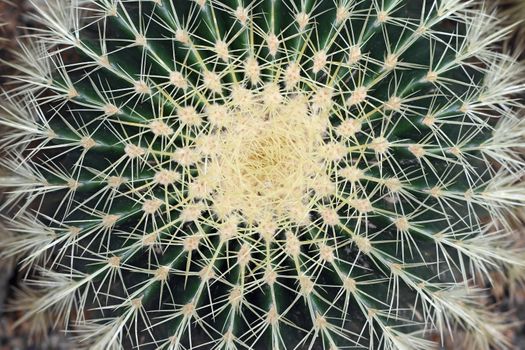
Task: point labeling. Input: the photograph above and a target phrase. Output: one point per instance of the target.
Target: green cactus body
(273, 174)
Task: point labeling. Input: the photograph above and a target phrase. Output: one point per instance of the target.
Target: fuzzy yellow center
(267, 160)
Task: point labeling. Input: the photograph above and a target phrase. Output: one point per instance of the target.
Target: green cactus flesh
(273, 174)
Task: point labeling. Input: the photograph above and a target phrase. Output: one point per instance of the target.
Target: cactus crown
(235, 174)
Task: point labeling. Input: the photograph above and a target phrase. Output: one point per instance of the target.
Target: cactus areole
(266, 174)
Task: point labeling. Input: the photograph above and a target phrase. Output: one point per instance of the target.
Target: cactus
(271, 174)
